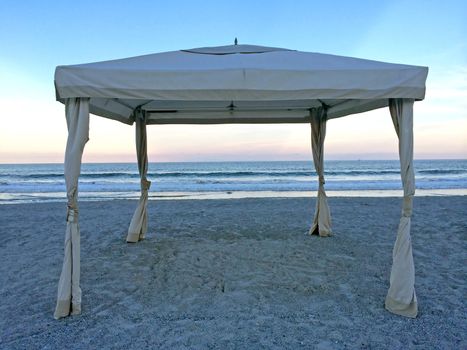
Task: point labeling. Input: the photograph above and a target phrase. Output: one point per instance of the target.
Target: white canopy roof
(237, 84)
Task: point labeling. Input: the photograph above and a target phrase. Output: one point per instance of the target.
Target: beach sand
(240, 273)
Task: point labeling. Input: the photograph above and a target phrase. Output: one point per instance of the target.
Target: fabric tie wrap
(145, 185)
(407, 206)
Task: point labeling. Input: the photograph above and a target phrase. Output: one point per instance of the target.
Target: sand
(221, 274)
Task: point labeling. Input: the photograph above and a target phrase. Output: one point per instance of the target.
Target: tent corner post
(401, 298)
(69, 291)
(322, 218)
(139, 222)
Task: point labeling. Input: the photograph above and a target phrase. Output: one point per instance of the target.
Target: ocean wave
(205, 174)
(442, 171)
(39, 176)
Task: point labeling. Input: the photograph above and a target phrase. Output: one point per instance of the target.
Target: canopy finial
(235, 41)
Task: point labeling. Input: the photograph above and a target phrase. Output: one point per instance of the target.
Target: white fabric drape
(322, 220)
(69, 291)
(139, 222)
(401, 298)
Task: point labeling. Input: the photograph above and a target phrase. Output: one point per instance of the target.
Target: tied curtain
(69, 291)
(139, 222)
(401, 298)
(322, 219)
(77, 118)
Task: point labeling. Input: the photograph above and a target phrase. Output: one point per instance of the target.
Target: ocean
(22, 183)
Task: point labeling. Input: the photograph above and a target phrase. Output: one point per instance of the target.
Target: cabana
(237, 84)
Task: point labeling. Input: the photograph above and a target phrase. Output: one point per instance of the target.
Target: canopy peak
(233, 49)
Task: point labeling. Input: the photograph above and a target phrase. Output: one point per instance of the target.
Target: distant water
(21, 183)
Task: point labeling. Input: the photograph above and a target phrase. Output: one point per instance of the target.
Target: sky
(36, 36)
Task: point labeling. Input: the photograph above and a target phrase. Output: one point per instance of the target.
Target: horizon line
(238, 161)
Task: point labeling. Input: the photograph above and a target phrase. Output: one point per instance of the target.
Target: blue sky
(36, 36)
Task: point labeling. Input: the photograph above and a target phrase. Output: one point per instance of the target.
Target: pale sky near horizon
(36, 36)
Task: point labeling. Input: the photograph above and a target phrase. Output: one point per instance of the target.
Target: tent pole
(139, 222)
(401, 298)
(322, 219)
(69, 291)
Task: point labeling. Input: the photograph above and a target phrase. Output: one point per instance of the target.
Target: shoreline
(54, 197)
